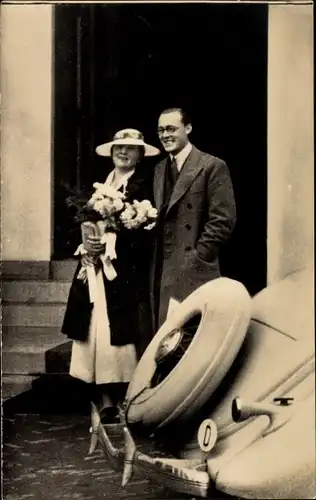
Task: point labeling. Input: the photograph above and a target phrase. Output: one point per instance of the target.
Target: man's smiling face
(172, 132)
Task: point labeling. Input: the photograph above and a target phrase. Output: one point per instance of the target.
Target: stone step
(15, 314)
(25, 270)
(58, 358)
(26, 338)
(24, 349)
(30, 292)
(63, 270)
(23, 363)
(13, 385)
(39, 270)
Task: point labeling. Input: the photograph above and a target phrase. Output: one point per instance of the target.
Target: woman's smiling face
(125, 156)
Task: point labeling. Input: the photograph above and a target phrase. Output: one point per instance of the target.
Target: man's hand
(93, 245)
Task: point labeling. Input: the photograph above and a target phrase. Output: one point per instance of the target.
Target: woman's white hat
(129, 136)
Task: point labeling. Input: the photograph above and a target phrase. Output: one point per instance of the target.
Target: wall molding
(25, 270)
(56, 270)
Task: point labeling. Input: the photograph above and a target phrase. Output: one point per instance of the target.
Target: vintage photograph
(157, 250)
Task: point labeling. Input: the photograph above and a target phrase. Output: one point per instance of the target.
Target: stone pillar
(26, 133)
(290, 244)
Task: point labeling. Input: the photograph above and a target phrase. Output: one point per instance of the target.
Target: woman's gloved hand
(93, 245)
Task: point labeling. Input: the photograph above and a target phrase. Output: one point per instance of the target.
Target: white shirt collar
(182, 156)
(123, 180)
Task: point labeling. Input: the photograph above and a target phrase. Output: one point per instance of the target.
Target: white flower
(137, 214)
(152, 213)
(128, 212)
(107, 202)
(91, 202)
(108, 191)
(145, 207)
(145, 204)
(128, 224)
(99, 206)
(118, 204)
(150, 226)
(128, 216)
(98, 185)
(96, 197)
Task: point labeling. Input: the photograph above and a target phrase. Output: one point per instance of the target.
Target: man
(196, 214)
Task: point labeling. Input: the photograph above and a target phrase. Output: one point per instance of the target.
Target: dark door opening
(118, 65)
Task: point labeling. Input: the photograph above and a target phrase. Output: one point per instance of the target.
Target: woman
(110, 334)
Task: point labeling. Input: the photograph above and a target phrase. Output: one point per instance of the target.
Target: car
(254, 435)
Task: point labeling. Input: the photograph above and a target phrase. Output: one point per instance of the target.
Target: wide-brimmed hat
(129, 136)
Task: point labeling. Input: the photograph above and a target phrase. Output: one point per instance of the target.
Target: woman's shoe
(94, 429)
(108, 415)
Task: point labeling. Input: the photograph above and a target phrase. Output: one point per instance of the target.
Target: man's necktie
(174, 170)
(172, 174)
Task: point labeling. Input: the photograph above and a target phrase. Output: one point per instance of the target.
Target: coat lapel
(134, 185)
(189, 171)
(159, 183)
(139, 185)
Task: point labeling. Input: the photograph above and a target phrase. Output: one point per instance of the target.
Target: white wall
(290, 139)
(26, 72)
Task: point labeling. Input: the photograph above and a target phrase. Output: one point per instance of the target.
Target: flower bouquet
(139, 214)
(104, 215)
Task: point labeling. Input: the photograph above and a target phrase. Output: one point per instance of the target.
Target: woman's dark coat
(128, 294)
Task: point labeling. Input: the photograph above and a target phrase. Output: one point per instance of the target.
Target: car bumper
(185, 476)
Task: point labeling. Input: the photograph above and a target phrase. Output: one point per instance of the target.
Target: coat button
(188, 226)
(188, 248)
(189, 205)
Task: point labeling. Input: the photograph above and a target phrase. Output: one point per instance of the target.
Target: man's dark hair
(184, 115)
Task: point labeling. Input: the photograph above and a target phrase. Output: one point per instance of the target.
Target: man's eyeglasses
(170, 129)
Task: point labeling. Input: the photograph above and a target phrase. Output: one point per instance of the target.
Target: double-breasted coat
(128, 294)
(191, 229)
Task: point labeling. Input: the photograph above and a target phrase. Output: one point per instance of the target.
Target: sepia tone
(67, 84)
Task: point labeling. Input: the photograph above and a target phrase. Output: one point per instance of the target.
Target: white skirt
(96, 360)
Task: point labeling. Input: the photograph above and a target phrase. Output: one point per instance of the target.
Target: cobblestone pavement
(45, 458)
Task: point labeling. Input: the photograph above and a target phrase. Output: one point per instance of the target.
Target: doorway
(118, 65)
